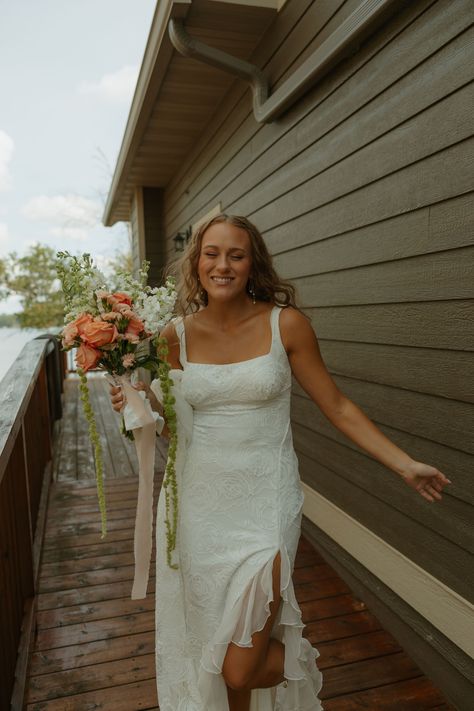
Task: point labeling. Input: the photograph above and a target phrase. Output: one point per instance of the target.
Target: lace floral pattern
(240, 503)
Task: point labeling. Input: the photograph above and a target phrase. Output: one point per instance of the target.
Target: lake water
(12, 341)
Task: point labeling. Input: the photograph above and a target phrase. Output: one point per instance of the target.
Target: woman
(228, 624)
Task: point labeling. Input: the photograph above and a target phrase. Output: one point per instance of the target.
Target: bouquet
(116, 329)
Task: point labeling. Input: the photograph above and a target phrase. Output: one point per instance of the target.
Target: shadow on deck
(94, 646)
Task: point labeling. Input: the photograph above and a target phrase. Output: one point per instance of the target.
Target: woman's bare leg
(238, 700)
(267, 657)
(270, 674)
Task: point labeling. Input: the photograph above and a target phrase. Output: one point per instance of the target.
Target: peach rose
(81, 321)
(74, 329)
(99, 333)
(87, 357)
(122, 298)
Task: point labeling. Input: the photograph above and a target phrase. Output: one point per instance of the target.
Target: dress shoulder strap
(178, 323)
(277, 343)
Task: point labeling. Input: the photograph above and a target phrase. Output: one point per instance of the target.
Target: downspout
(341, 43)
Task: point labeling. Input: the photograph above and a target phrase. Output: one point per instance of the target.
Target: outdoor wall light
(180, 238)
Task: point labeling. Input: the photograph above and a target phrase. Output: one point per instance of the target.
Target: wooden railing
(30, 397)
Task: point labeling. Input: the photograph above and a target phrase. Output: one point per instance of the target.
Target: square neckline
(237, 362)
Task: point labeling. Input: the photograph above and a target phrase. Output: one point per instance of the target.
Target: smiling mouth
(222, 280)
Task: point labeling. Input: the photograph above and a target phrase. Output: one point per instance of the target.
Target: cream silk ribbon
(139, 417)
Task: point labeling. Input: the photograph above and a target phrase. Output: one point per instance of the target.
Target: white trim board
(452, 614)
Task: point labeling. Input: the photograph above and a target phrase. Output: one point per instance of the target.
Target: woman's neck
(229, 313)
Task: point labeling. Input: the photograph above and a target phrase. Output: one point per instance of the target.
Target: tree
(33, 278)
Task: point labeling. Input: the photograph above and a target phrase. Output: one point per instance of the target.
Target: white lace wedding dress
(240, 502)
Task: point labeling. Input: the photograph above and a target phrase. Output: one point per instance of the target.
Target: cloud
(117, 86)
(6, 151)
(71, 216)
(77, 233)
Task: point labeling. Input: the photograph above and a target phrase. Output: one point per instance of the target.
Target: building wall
(361, 191)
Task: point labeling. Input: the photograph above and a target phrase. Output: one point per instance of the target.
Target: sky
(68, 69)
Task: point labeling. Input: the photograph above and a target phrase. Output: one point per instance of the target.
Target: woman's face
(225, 261)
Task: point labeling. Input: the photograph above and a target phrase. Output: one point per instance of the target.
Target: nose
(222, 264)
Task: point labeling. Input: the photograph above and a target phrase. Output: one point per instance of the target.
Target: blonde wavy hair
(267, 284)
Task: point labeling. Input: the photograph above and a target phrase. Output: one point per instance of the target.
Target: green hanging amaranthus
(169, 480)
(94, 437)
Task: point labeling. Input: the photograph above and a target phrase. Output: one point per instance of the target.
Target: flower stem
(94, 437)
(169, 480)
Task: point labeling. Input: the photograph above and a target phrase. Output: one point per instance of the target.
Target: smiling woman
(228, 625)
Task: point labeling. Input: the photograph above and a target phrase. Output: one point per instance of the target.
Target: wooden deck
(94, 647)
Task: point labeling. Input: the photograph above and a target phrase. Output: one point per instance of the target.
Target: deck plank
(94, 647)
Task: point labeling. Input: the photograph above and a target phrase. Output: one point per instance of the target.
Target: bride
(239, 340)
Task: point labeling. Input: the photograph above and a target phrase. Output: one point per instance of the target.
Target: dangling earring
(252, 291)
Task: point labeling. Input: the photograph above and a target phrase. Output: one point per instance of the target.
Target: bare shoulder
(296, 329)
(169, 332)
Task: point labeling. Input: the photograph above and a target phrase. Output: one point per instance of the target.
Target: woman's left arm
(310, 371)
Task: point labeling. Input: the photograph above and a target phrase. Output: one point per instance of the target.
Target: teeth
(222, 280)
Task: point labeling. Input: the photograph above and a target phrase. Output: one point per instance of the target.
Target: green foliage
(9, 321)
(33, 278)
(94, 436)
(79, 279)
(169, 481)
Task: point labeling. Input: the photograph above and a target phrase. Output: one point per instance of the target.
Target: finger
(425, 495)
(434, 493)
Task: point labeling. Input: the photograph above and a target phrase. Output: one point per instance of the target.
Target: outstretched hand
(427, 480)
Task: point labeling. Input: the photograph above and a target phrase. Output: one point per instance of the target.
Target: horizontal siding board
(445, 225)
(429, 324)
(312, 28)
(408, 144)
(445, 560)
(455, 464)
(451, 519)
(389, 133)
(345, 94)
(448, 422)
(427, 277)
(440, 177)
(424, 370)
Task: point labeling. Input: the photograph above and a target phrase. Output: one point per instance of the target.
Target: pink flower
(120, 308)
(110, 315)
(133, 330)
(87, 357)
(128, 360)
(99, 333)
